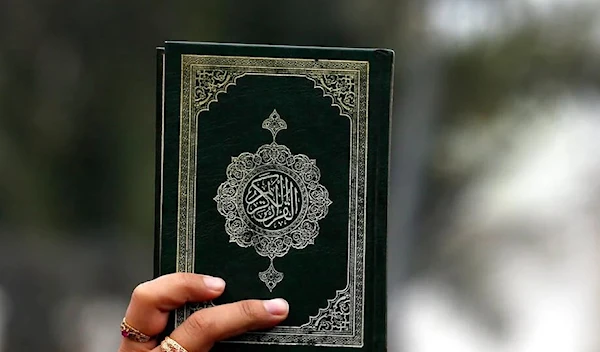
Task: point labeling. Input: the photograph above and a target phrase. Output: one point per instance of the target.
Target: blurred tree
(77, 107)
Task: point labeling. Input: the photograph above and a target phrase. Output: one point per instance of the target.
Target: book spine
(159, 155)
(384, 96)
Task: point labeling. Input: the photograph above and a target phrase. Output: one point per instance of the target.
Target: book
(272, 172)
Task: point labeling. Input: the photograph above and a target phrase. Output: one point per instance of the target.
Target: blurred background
(494, 227)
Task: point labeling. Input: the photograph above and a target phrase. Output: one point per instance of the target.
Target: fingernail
(276, 306)
(214, 283)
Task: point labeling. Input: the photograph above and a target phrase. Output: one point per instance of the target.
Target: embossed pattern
(336, 317)
(340, 88)
(209, 83)
(272, 200)
(271, 277)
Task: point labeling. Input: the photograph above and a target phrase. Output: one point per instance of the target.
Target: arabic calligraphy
(272, 200)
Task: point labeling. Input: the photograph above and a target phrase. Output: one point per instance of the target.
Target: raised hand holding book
(272, 173)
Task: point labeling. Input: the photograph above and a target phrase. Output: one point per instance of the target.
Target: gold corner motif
(208, 84)
(341, 88)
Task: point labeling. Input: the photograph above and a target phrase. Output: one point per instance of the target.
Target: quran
(272, 173)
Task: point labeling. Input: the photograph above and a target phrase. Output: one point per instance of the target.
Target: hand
(152, 301)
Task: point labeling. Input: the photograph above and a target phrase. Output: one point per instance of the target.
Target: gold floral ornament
(272, 200)
(340, 88)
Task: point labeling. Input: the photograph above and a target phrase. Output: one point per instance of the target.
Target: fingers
(152, 301)
(205, 327)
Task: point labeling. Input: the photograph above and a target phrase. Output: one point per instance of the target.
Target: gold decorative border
(230, 69)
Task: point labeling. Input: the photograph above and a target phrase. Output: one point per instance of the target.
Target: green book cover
(272, 173)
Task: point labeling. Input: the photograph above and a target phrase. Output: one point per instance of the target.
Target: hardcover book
(272, 173)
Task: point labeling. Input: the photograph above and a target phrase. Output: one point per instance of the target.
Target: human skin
(152, 301)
